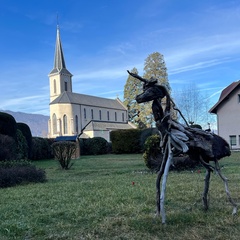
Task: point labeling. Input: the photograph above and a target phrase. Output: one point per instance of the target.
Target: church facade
(75, 114)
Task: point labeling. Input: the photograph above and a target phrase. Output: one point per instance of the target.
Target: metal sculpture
(177, 138)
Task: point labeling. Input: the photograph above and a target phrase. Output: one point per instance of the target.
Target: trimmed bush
(126, 141)
(153, 156)
(8, 125)
(13, 173)
(22, 146)
(63, 152)
(95, 146)
(152, 152)
(8, 148)
(27, 134)
(40, 149)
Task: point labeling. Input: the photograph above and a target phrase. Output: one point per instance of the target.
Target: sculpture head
(151, 90)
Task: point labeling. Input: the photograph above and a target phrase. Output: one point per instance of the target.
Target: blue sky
(200, 41)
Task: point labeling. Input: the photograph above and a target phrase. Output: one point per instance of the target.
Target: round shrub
(152, 152)
(8, 125)
(8, 148)
(22, 146)
(153, 156)
(27, 134)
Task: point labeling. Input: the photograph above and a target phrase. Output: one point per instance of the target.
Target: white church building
(72, 113)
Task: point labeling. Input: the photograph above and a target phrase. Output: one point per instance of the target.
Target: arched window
(65, 129)
(54, 123)
(76, 123)
(54, 86)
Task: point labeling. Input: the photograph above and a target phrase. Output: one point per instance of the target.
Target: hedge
(126, 141)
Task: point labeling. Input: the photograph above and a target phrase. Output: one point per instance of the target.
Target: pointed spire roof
(59, 62)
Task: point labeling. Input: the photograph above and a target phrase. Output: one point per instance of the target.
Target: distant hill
(38, 123)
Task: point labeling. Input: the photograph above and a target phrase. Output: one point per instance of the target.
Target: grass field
(97, 199)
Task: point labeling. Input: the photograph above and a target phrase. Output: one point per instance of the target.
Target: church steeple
(59, 62)
(60, 78)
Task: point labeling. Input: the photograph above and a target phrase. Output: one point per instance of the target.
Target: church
(75, 114)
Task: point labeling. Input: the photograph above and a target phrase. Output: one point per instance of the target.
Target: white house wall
(229, 119)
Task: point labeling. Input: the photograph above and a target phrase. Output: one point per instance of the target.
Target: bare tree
(194, 105)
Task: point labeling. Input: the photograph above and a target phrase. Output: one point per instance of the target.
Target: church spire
(59, 62)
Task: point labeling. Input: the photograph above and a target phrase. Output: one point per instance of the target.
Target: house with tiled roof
(73, 114)
(227, 110)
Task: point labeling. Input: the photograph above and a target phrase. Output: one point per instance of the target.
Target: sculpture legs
(206, 188)
(225, 180)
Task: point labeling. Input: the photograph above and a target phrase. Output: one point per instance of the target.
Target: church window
(54, 86)
(115, 116)
(76, 123)
(238, 98)
(123, 117)
(92, 113)
(65, 129)
(54, 121)
(65, 85)
(85, 113)
(100, 114)
(108, 117)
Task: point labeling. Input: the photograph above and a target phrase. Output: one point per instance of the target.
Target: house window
(108, 116)
(100, 114)
(115, 116)
(76, 123)
(233, 140)
(92, 113)
(54, 121)
(85, 113)
(123, 117)
(65, 130)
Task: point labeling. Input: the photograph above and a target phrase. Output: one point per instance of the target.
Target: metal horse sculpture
(177, 138)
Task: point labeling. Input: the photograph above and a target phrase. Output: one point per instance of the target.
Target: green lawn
(96, 199)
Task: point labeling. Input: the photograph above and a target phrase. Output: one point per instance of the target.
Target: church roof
(59, 62)
(224, 95)
(82, 99)
(100, 125)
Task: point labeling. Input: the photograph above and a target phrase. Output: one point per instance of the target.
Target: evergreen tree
(141, 114)
(132, 88)
(155, 67)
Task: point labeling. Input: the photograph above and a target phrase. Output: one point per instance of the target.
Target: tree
(155, 67)
(141, 114)
(194, 105)
(132, 88)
